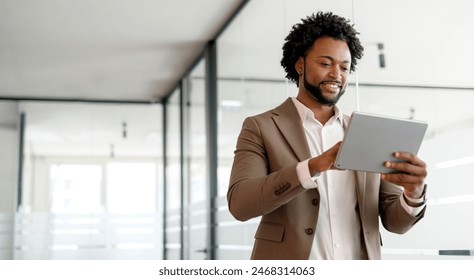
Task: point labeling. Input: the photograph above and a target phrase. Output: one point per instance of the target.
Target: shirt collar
(305, 112)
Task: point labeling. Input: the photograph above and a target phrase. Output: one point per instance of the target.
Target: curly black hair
(303, 35)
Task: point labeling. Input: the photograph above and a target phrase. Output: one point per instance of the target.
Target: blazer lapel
(288, 122)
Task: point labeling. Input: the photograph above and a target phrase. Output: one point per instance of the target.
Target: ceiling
(137, 51)
(107, 50)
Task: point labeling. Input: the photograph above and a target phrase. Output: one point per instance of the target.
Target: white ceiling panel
(108, 49)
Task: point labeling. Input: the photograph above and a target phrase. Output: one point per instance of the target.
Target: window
(131, 187)
(76, 188)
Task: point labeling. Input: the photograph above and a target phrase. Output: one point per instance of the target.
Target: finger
(409, 157)
(405, 167)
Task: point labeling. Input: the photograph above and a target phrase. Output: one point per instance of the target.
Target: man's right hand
(325, 161)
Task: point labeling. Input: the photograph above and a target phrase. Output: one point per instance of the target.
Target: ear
(299, 66)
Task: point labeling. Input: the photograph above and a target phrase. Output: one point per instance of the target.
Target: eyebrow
(332, 58)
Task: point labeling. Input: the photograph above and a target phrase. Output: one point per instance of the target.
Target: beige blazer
(264, 183)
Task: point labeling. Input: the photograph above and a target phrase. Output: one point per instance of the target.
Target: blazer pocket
(270, 231)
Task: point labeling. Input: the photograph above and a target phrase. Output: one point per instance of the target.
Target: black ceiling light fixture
(124, 130)
(380, 47)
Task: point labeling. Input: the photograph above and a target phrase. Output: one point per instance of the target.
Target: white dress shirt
(338, 232)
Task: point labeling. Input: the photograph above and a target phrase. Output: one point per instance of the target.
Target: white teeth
(332, 85)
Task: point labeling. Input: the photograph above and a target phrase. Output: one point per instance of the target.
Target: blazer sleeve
(393, 216)
(263, 175)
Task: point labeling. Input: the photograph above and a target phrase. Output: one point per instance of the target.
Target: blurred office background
(118, 119)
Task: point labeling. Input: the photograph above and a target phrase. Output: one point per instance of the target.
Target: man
(284, 170)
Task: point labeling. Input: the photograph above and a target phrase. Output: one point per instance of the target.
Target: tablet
(371, 139)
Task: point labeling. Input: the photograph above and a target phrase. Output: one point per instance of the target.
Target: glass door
(195, 165)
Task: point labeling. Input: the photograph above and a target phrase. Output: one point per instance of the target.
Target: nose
(336, 72)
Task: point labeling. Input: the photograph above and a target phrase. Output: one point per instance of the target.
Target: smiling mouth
(333, 86)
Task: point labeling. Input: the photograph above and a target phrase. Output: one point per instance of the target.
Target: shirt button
(315, 201)
(309, 231)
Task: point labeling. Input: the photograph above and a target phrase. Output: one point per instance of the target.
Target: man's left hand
(411, 175)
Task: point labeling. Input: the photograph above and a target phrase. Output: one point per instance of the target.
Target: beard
(316, 93)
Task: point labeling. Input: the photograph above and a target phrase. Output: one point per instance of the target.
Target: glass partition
(196, 163)
(173, 232)
(91, 187)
